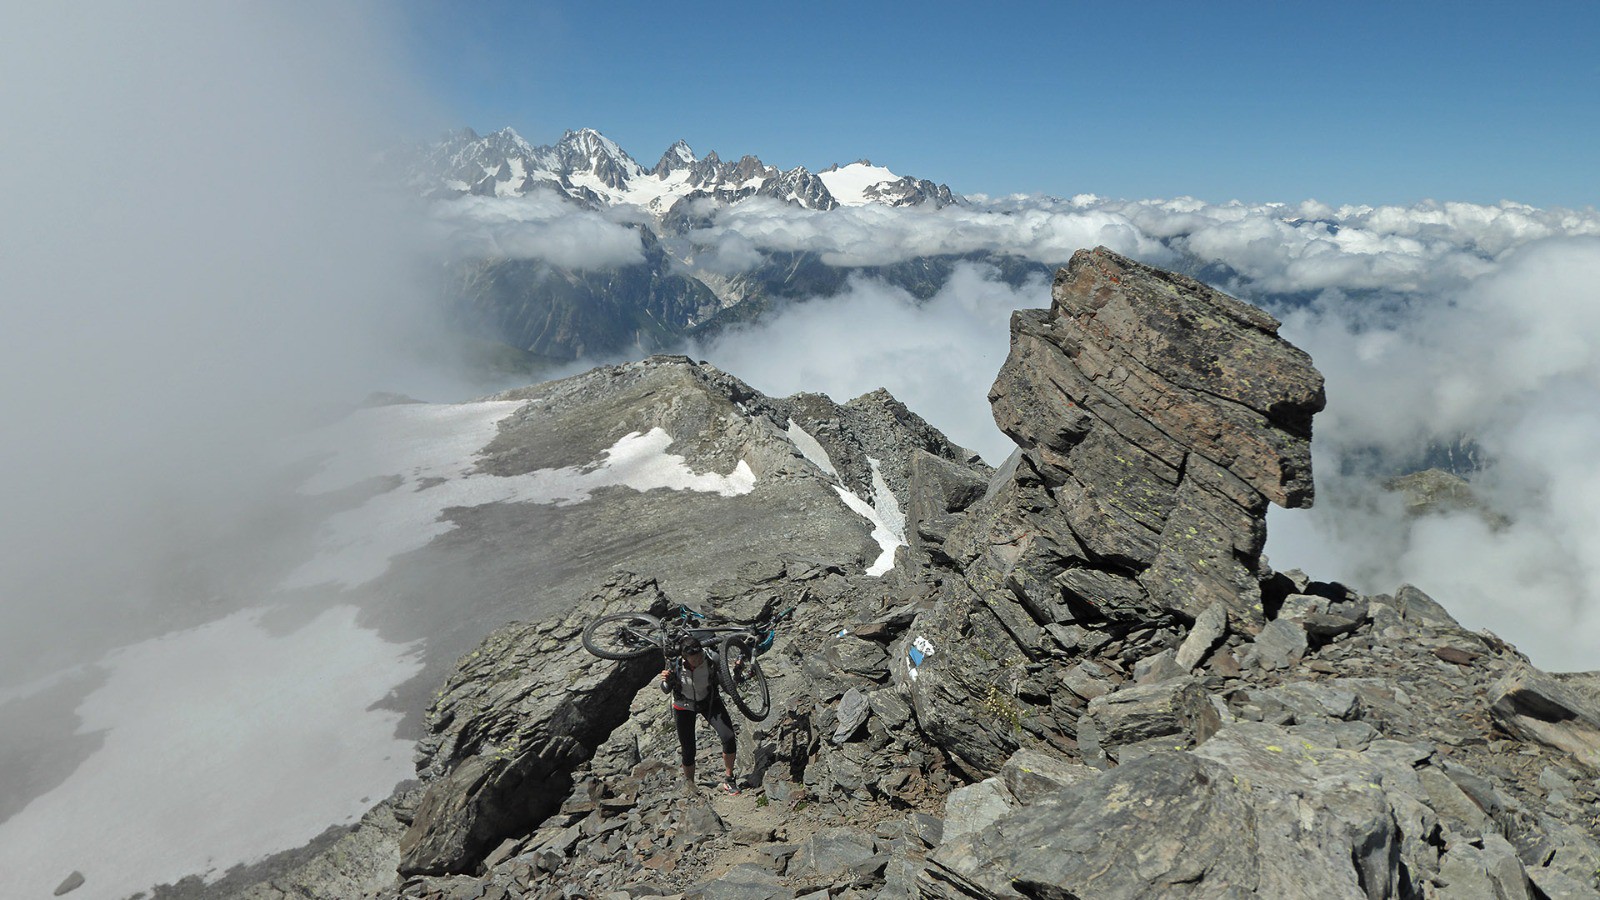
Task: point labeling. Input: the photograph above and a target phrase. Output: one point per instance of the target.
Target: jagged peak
(679, 156)
(592, 142)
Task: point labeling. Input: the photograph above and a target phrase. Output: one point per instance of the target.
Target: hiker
(691, 679)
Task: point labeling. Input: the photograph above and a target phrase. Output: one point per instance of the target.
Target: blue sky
(1343, 103)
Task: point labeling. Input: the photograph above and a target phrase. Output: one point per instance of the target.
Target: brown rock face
(1161, 416)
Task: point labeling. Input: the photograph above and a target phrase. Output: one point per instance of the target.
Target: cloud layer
(1436, 325)
(536, 226)
(1510, 363)
(189, 266)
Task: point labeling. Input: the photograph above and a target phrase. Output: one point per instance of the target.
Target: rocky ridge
(1081, 679)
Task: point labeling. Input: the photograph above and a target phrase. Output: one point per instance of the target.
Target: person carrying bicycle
(691, 679)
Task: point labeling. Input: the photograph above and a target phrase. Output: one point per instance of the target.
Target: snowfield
(430, 452)
(223, 744)
(849, 184)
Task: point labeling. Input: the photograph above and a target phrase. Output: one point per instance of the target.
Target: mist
(1510, 364)
(938, 357)
(201, 255)
(196, 257)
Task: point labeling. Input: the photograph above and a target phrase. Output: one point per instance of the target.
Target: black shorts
(717, 715)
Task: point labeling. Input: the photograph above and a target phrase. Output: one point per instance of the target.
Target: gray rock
(1455, 809)
(928, 829)
(1310, 700)
(854, 656)
(1538, 707)
(1176, 713)
(1088, 679)
(831, 852)
(1556, 885)
(1030, 776)
(72, 883)
(1281, 644)
(1490, 871)
(746, 882)
(1559, 788)
(975, 806)
(502, 746)
(1415, 606)
(852, 711)
(1169, 825)
(1209, 628)
(888, 705)
(1160, 667)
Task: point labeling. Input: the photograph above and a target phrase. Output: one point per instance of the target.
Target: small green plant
(1001, 708)
(761, 800)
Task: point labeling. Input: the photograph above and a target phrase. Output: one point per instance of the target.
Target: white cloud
(536, 226)
(875, 235)
(192, 259)
(1512, 363)
(938, 357)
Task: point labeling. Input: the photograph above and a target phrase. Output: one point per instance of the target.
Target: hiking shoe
(728, 787)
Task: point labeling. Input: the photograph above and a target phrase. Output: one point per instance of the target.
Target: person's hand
(665, 673)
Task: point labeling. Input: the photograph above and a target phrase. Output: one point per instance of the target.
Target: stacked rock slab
(1162, 415)
(1155, 419)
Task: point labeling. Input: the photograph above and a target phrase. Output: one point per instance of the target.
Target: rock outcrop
(1155, 418)
(1078, 680)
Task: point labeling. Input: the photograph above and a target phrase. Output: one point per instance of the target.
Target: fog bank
(195, 256)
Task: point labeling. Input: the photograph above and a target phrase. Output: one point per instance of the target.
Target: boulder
(1540, 707)
(1209, 628)
(512, 724)
(830, 852)
(745, 882)
(975, 806)
(1031, 776)
(1167, 715)
(1281, 644)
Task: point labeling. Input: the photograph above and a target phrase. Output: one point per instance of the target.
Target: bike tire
(622, 635)
(749, 693)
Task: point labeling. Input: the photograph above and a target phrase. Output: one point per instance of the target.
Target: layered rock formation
(1079, 680)
(1155, 418)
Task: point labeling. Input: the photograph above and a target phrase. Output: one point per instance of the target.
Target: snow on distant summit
(587, 167)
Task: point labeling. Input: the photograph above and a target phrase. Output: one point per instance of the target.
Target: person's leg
(730, 742)
(684, 720)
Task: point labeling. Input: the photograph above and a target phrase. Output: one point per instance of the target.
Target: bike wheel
(742, 678)
(622, 635)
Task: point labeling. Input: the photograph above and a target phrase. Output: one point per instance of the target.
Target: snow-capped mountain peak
(678, 156)
(587, 151)
(861, 183)
(591, 169)
(509, 137)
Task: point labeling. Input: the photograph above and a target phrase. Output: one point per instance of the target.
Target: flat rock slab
(1540, 707)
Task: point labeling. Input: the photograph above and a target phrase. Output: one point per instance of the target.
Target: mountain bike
(734, 646)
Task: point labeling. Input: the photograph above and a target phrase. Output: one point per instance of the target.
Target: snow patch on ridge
(888, 522)
(812, 450)
(432, 451)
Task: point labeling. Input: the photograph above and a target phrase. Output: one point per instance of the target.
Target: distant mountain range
(588, 168)
(540, 314)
